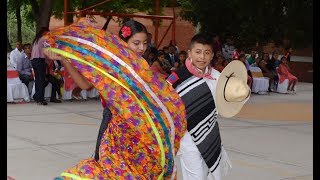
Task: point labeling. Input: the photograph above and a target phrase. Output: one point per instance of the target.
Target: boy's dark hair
(202, 39)
(135, 27)
(26, 45)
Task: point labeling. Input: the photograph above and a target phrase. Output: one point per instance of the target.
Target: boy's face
(201, 55)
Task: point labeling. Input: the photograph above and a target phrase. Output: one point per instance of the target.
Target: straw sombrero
(232, 90)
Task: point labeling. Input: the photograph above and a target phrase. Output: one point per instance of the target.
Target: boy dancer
(201, 153)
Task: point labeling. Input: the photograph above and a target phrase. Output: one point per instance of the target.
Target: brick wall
(183, 35)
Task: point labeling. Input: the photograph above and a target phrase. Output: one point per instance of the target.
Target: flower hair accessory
(126, 31)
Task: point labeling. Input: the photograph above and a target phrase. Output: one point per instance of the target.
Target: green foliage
(115, 6)
(250, 21)
(27, 27)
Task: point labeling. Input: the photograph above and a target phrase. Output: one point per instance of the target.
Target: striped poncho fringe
(201, 119)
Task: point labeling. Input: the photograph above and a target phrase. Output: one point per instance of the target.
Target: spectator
(265, 71)
(38, 61)
(218, 54)
(216, 44)
(284, 72)
(228, 48)
(275, 62)
(165, 50)
(242, 58)
(150, 55)
(24, 67)
(182, 58)
(288, 53)
(56, 84)
(272, 66)
(16, 54)
(252, 58)
(159, 65)
(218, 63)
(149, 41)
(175, 47)
(171, 56)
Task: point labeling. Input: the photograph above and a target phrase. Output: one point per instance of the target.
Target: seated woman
(242, 58)
(266, 72)
(284, 72)
(159, 66)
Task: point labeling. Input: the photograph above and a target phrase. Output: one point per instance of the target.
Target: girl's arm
(81, 81)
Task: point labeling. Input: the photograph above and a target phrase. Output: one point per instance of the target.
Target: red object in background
(12, 74)
(69, 83)
(235, 55)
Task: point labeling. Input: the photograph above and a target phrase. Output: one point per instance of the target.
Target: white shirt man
(16, 54)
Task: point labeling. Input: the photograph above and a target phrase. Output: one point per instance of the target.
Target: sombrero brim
(225, 108)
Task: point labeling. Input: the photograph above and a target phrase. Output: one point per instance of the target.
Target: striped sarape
(197, 95)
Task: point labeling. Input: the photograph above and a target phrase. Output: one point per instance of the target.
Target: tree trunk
(9, 47)
(18, 16)
(35, 10)
(45, 14)
(105, 26)
(70, 16)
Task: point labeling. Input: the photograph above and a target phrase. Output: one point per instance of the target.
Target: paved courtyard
(270, 139)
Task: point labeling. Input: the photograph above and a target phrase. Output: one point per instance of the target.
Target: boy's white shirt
(186, 143)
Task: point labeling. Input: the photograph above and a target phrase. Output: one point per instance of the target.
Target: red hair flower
(126, 31)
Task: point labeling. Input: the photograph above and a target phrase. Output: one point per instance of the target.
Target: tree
(38, 12)
(251, 21)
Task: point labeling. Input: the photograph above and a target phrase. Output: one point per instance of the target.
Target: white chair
(47, 91)
(260, 84)
(67, 95)
(283, 87)
(16, 90)
(93, 93)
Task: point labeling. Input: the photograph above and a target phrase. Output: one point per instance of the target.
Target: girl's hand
(53, 56)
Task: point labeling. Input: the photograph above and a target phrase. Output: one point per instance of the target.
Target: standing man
(171, 56)
(16, 54)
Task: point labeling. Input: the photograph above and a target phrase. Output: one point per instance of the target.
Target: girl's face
(138, 43)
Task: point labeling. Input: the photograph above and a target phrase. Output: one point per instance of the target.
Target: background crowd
(272, 68)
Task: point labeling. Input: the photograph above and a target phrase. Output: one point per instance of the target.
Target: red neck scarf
(197, 72)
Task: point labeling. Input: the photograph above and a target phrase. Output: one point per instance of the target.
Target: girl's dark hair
(40, 34)
(135, 27)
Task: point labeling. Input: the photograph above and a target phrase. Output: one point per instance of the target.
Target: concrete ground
(270, 139)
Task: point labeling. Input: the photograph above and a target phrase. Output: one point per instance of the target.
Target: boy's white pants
(192, 165)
